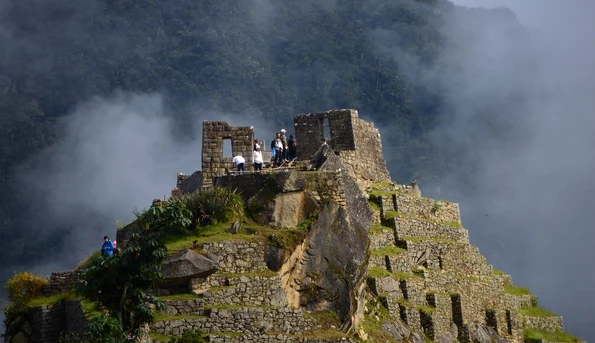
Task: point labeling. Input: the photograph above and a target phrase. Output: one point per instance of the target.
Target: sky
(531, 214)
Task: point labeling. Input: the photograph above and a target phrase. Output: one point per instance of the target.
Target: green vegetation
(426, 309)
(190, 336)
(325, 318)
(374, 206)
(23, 288)
(532, 335)
(51, 300)
(120, 282)
(380, 228)
(214, 205)
(180, 297)
(516, 290)
(373, 322)
(89, 261)
(536, 311)
(390, 250)
(392, 214)
(376, 272)
(159, 337)
(431, 239)
(498, 272)
(396, 214)
(165, 317)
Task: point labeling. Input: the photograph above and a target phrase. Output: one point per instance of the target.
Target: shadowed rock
(188, 264)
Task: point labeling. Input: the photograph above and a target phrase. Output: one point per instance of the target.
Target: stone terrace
(425, 272)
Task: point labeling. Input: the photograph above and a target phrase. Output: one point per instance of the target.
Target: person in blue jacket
(107, 249)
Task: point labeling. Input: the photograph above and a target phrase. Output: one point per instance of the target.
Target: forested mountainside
(394, 61)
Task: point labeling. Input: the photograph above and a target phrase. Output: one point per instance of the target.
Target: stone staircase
(426, 273)
(242, 302)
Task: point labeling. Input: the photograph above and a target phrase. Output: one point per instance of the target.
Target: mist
(528, 209)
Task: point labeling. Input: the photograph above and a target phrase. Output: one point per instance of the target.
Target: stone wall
(50, 322)
(241, 320)
(213, 134)
(438, 210)
(238, 257)
(356, 141)
(550, 323)
(62, 282)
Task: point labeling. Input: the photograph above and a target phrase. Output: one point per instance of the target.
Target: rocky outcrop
(186, 265)
(328, 270)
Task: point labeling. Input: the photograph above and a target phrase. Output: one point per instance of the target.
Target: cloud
(522, 109)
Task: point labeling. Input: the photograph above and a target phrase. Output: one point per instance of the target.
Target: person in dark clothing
(291, 148)
(107, 249)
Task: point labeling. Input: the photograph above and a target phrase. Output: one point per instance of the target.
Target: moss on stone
(426, 309)
(375, 229)
(532, 335)
(516, 290)
(404, 302)
(374, 206)
(376, 272)
(390, 250)
(498, 272)
(325, 318)
(50, 300)
(183, 296)
(372, 324)
(429, 239)
(162, 317)
(536, 311)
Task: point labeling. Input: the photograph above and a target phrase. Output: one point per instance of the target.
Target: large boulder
(188, 264)
(328, 270)
(285, 210)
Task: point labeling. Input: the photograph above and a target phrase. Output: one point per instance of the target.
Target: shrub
(106, 329)
(189, 337)
(21, 289)
(214, 205)
(173, 218)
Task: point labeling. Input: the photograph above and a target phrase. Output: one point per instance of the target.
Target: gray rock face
(233, 229)
(480, 333)
(397, 330)
(188, 264)
(332, 267)
(285, 210)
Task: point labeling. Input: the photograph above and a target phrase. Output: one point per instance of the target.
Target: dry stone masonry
(375, 255)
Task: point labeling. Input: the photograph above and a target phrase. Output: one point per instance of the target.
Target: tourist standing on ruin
(107, 249)
(278, 150)
(291, 148)
(257, 158)
(284, 141)
(240, 162)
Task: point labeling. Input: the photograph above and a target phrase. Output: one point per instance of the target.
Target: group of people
(284, 150)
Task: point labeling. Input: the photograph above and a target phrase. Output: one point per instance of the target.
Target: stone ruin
(375, 252)
(356, 141)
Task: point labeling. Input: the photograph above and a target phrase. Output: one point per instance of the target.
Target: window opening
(227, 151)
(326, 129)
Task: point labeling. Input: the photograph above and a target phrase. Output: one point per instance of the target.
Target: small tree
(120, 282)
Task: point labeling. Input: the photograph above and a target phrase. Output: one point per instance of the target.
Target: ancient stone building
(356, 141)
(213, 135)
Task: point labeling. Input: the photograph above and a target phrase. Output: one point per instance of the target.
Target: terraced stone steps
(407, 226)
(254, 320)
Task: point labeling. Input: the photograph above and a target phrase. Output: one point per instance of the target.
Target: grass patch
(532, 335)
(426, 239)
(376, 272)
(396, 214)
(159, 317)
(373, 325)
(159, 337)
(498, 272)
(390, 250)
(374, 206)
(516, 290)
(184, 296)
(380, 229)
(404, 302)
(90, 308)
(51, 300)
(89, 261)
(536, 311)
(325, 318)
(426, 309)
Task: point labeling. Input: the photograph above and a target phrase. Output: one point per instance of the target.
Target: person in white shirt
(257, 157)
(279, 150)
(240, 162)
